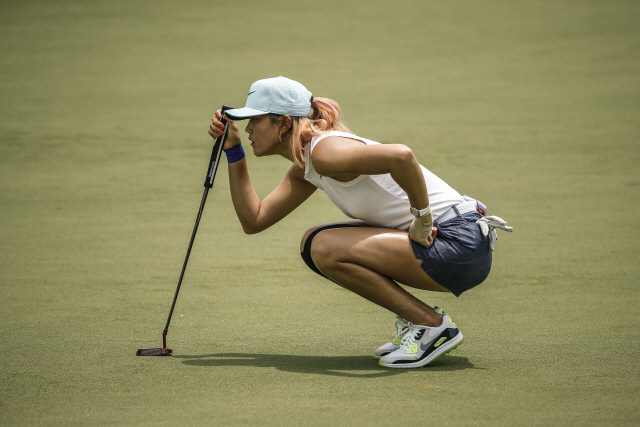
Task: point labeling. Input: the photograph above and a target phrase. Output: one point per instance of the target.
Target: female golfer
(410, 226)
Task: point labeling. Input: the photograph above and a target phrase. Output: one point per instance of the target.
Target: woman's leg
(368, 261)
(337, 224)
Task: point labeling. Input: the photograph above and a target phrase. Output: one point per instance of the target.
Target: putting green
(531, 107)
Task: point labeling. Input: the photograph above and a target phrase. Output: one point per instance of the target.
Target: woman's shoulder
(339, 134)
(325, 134)
(320, 137)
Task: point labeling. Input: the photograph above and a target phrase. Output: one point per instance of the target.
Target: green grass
(532, 107)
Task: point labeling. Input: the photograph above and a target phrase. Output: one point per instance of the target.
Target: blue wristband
(234, 153)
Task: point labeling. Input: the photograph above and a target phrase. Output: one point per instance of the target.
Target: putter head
(154, 352)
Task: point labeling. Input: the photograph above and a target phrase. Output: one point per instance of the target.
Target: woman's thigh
(385, 251)
(337, 224)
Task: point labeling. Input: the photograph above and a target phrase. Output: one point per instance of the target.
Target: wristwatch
(420, 213)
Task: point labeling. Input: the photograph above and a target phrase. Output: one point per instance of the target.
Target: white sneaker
(392, 346)
(421, 345)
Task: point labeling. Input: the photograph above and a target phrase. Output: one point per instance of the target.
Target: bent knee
(324, 252)
(306, 235)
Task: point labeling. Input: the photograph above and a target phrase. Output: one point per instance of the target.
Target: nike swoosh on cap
(251, 92)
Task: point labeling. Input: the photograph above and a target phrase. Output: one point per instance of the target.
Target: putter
(208, 183)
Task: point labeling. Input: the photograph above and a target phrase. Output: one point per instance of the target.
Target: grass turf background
(532, 107)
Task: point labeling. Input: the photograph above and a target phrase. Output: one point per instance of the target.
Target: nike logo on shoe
(449, 333)
(425, 347)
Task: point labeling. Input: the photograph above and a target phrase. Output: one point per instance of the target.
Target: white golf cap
(277, 95)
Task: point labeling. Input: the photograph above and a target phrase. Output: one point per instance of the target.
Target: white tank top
(377, 199)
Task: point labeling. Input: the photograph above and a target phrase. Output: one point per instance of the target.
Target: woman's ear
(286, 124)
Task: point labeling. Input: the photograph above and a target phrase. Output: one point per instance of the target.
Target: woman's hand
(217, 128)
(422, 230)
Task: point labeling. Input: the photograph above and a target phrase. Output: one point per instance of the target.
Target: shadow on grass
(343, 366)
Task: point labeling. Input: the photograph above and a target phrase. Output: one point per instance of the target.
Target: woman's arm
(338, 156)
(345, 157)
(255, 215)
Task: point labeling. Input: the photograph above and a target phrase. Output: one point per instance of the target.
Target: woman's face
(264, 135)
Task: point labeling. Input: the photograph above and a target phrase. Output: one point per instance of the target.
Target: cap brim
(244, 113)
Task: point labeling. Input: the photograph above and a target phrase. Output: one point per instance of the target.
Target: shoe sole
(375, 356)
(445, 349)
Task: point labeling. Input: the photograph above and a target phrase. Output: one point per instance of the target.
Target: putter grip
(217, 151)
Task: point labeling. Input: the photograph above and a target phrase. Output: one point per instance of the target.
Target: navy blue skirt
(460, 257)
